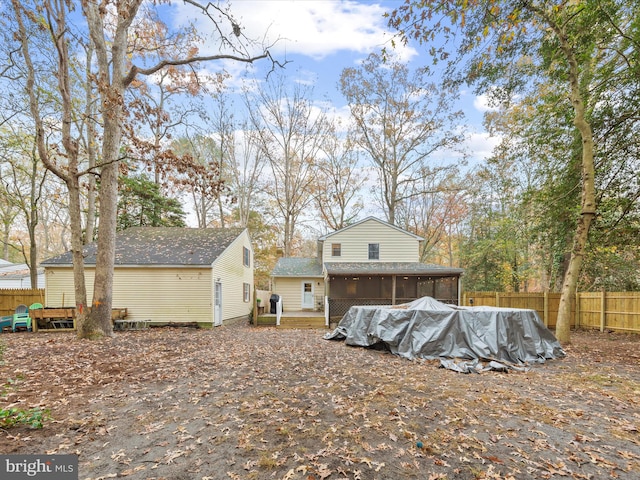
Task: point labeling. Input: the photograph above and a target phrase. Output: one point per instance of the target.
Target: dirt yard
(238, 402)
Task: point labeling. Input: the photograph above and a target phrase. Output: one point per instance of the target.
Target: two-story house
(368, 263)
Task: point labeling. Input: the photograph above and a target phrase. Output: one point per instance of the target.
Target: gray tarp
(426, 328)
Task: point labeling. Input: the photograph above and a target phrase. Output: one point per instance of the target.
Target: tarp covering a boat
(428, 329)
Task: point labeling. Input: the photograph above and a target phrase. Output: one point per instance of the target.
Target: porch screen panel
(406, 289)
(427, 288)
(447, 289)
(370, 287)
(361, 286)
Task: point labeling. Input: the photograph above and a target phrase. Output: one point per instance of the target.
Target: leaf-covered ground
(238, 402)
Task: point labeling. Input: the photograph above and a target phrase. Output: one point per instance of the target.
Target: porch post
(393, 289)
(326, 311)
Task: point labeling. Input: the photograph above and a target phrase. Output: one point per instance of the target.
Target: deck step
(302, 322)
(301, 325)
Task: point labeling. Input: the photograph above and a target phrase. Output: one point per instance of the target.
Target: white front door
(307, 294)
(217, 304)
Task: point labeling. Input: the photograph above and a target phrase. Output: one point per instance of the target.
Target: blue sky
(319, 38)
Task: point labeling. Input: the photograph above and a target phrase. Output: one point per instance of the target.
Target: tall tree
(582, 46)
(114, 76)
(114, 30)
(291, 132)
(63, 162)
(246, 177)
(402, 121)
(338, 179)
(435, 214)
(541, 177)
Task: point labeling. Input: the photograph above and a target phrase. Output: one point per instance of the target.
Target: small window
(246, 292)
(374, 251)
(246, 258)
(336, 249)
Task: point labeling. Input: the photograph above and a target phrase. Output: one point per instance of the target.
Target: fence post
(603, 298)
(578, 314)
(497, 299)
(546, 309)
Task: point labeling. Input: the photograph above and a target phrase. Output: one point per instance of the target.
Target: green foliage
(141, 204)
(10, 417)
(34, 417)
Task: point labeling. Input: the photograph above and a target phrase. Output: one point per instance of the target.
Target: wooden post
(546, 309)
(603, 310)
(497, 299)
(578, 322)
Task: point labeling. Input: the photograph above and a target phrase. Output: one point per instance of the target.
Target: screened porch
(345, 291)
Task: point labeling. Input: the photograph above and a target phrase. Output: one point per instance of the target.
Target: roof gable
(369, 219)
(161, 246)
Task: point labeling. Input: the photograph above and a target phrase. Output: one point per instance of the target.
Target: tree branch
(187, 61)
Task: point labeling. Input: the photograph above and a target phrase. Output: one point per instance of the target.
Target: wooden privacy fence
(11, 298)
(618, 311)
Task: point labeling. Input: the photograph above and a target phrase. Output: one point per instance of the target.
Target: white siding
(395, 245)
(158, 294)
(232, 273)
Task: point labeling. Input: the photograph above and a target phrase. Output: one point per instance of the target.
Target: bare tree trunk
(588, 202)
(90, 222)
(79, 285)
(111, 85)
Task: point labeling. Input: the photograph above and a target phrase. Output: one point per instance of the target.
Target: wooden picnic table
(64, 317)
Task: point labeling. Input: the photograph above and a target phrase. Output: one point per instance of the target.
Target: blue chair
(21, 318)
(6, 322)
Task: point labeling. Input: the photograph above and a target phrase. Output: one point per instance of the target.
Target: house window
(374, 251)
(336, 249)
(246, 259)
(246, 292)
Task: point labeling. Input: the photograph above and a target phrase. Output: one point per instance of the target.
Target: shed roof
(297, 267)
(161, 246)
(390, 268)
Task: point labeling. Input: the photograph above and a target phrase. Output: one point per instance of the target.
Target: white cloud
(483, 104)
(481, 144)
(313, 28)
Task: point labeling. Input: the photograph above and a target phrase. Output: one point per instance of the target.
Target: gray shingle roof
(297, 267)
(162, 246)
(389, 268)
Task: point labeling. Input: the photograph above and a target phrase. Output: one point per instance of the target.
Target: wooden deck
(293, 320)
